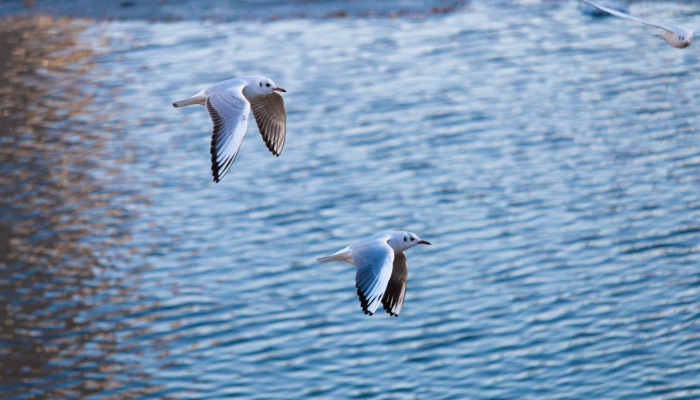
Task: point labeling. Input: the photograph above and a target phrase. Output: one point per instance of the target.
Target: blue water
(551, 158)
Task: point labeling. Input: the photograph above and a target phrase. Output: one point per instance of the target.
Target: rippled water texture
(551, 158)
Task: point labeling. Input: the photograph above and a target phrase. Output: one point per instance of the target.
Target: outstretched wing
(396, 288)
(272, 121)
(229, 112)
(625, 16)
(374, 263)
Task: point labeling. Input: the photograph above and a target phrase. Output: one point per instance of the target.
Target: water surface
(551, 158)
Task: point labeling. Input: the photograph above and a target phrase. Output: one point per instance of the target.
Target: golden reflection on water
(61, 230)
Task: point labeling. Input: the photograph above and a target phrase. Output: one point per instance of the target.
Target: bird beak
(423, 242)
(279, 89)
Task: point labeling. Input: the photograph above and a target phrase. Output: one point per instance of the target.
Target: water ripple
(554, 170)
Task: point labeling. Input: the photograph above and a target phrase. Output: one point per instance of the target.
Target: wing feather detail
(373, 261)
(229, 111)
(271, 118)
(396, 288)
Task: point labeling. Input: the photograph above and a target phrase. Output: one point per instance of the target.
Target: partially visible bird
(676, 37)
(229, 103)
(381, 269)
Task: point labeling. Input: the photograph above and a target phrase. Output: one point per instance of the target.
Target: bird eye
(268, 85)
(260, 84)
(412, 239)
(405, 238)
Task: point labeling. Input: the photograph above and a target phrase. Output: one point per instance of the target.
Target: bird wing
(396, 288)
(229, 112)
(373, 261)
(272, 121)
(625, 16)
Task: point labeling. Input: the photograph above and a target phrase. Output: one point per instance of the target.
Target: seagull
(382, 269)
(229, 103)
(676, 37)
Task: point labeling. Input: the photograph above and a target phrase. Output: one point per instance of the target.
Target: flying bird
(381, 269)
(229, 103)
(676, 37)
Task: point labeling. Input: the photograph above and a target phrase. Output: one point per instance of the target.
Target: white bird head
(679, 37)
(261, 86)
(402, 240)
(686, 37)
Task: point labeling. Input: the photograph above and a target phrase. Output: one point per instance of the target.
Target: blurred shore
(225, 10)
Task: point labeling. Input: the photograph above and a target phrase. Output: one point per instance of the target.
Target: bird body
(677, 37)
(381, 268)
(229, 103)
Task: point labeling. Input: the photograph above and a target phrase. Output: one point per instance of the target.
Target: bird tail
(342, 255)
(334, 257)
(187, 102)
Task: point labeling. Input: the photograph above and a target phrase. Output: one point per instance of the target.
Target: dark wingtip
(363, 302)
(391, 313)
(174, 105)
(271, 147)
(215, 172)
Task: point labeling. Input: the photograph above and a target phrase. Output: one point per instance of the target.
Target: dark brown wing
(272, 121)
(396, 289)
